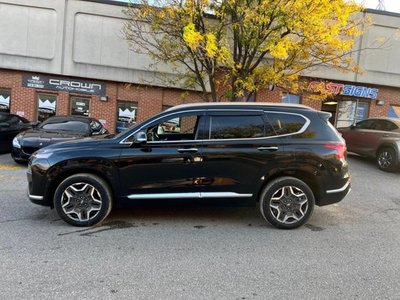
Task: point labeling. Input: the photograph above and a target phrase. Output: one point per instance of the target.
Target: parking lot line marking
(8, 167)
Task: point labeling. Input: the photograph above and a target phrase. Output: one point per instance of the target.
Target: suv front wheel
(287, 202)
(83, 200)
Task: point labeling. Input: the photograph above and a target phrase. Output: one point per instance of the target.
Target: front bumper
(36, 186)
(19, 155)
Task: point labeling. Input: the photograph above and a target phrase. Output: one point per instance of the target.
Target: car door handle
(188, 150)
(267, 149)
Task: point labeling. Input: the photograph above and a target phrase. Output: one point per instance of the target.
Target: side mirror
(140, 137)
(353, 126)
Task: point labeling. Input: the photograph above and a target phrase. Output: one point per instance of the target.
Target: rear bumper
(335, 195)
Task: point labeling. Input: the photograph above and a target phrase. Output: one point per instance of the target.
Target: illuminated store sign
(343, 89)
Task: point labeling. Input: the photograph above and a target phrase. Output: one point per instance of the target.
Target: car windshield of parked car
(66, 125)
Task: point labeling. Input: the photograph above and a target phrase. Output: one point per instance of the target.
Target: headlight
(16, 143)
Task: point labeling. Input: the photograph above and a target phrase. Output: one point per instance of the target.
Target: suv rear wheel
(386, 159)
(287, 202)
(83, 200)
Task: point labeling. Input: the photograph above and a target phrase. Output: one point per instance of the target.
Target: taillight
(339, 148)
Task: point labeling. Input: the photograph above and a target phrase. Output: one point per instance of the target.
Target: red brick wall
(150, 100)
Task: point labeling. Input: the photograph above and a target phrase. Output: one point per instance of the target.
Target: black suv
(286, 157)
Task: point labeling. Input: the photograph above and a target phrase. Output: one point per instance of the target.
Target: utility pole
(381, 5)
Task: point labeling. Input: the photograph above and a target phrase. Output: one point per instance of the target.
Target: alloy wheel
(289, 205)
(81, 202)
(385, 159)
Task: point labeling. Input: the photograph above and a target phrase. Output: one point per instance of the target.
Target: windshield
(66, 125)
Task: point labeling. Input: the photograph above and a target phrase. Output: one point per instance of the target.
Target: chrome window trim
(302, 130)
(161, 117)
(188, 195)
(343, 188)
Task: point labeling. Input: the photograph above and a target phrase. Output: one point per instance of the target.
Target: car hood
(42, 138)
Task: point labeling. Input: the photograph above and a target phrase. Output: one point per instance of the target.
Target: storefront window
(5, 100)
(351, 112)
(126, 115)
(290, 98)
(80, 106)
(46, 106)
(394, 111)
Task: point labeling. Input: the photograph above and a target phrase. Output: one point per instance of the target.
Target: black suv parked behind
(286, 157)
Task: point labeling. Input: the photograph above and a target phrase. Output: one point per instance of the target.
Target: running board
(190, 195)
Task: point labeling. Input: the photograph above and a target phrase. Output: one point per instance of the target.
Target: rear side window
(236, 127)
(286, 123)
(383, 125)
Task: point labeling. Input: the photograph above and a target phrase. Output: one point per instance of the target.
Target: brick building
(68, 57)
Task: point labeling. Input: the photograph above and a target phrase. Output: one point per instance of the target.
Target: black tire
(386, 159)
(293, 200)
(83, 200)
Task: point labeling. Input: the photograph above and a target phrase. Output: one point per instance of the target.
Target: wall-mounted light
(380, 102)
(331, 103)
(103, 98)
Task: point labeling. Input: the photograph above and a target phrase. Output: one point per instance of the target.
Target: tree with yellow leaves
(244, 45)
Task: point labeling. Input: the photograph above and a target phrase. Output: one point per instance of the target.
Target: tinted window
(174, 129)
(286, 123)
(234, 127)
(70, 125)
(367, 124)
(384, 125)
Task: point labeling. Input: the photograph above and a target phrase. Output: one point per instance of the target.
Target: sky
(390, 5)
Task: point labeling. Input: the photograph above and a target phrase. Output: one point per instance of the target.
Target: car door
(166, 165)
(240, 147)
(357, 137)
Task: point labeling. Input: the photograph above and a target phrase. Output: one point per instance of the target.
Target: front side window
(183, 127)
(367, 124)
(66, 125)
(236, 127)
(5, 100)
(286, 123)
(46, 106)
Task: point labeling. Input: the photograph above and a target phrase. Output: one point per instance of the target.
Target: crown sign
(35, 77)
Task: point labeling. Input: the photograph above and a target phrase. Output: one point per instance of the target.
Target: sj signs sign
(64, 84)
(343, 89)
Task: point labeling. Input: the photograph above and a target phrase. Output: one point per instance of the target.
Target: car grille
(29, 150)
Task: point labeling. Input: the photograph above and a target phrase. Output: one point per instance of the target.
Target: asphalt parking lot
(347, 251)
